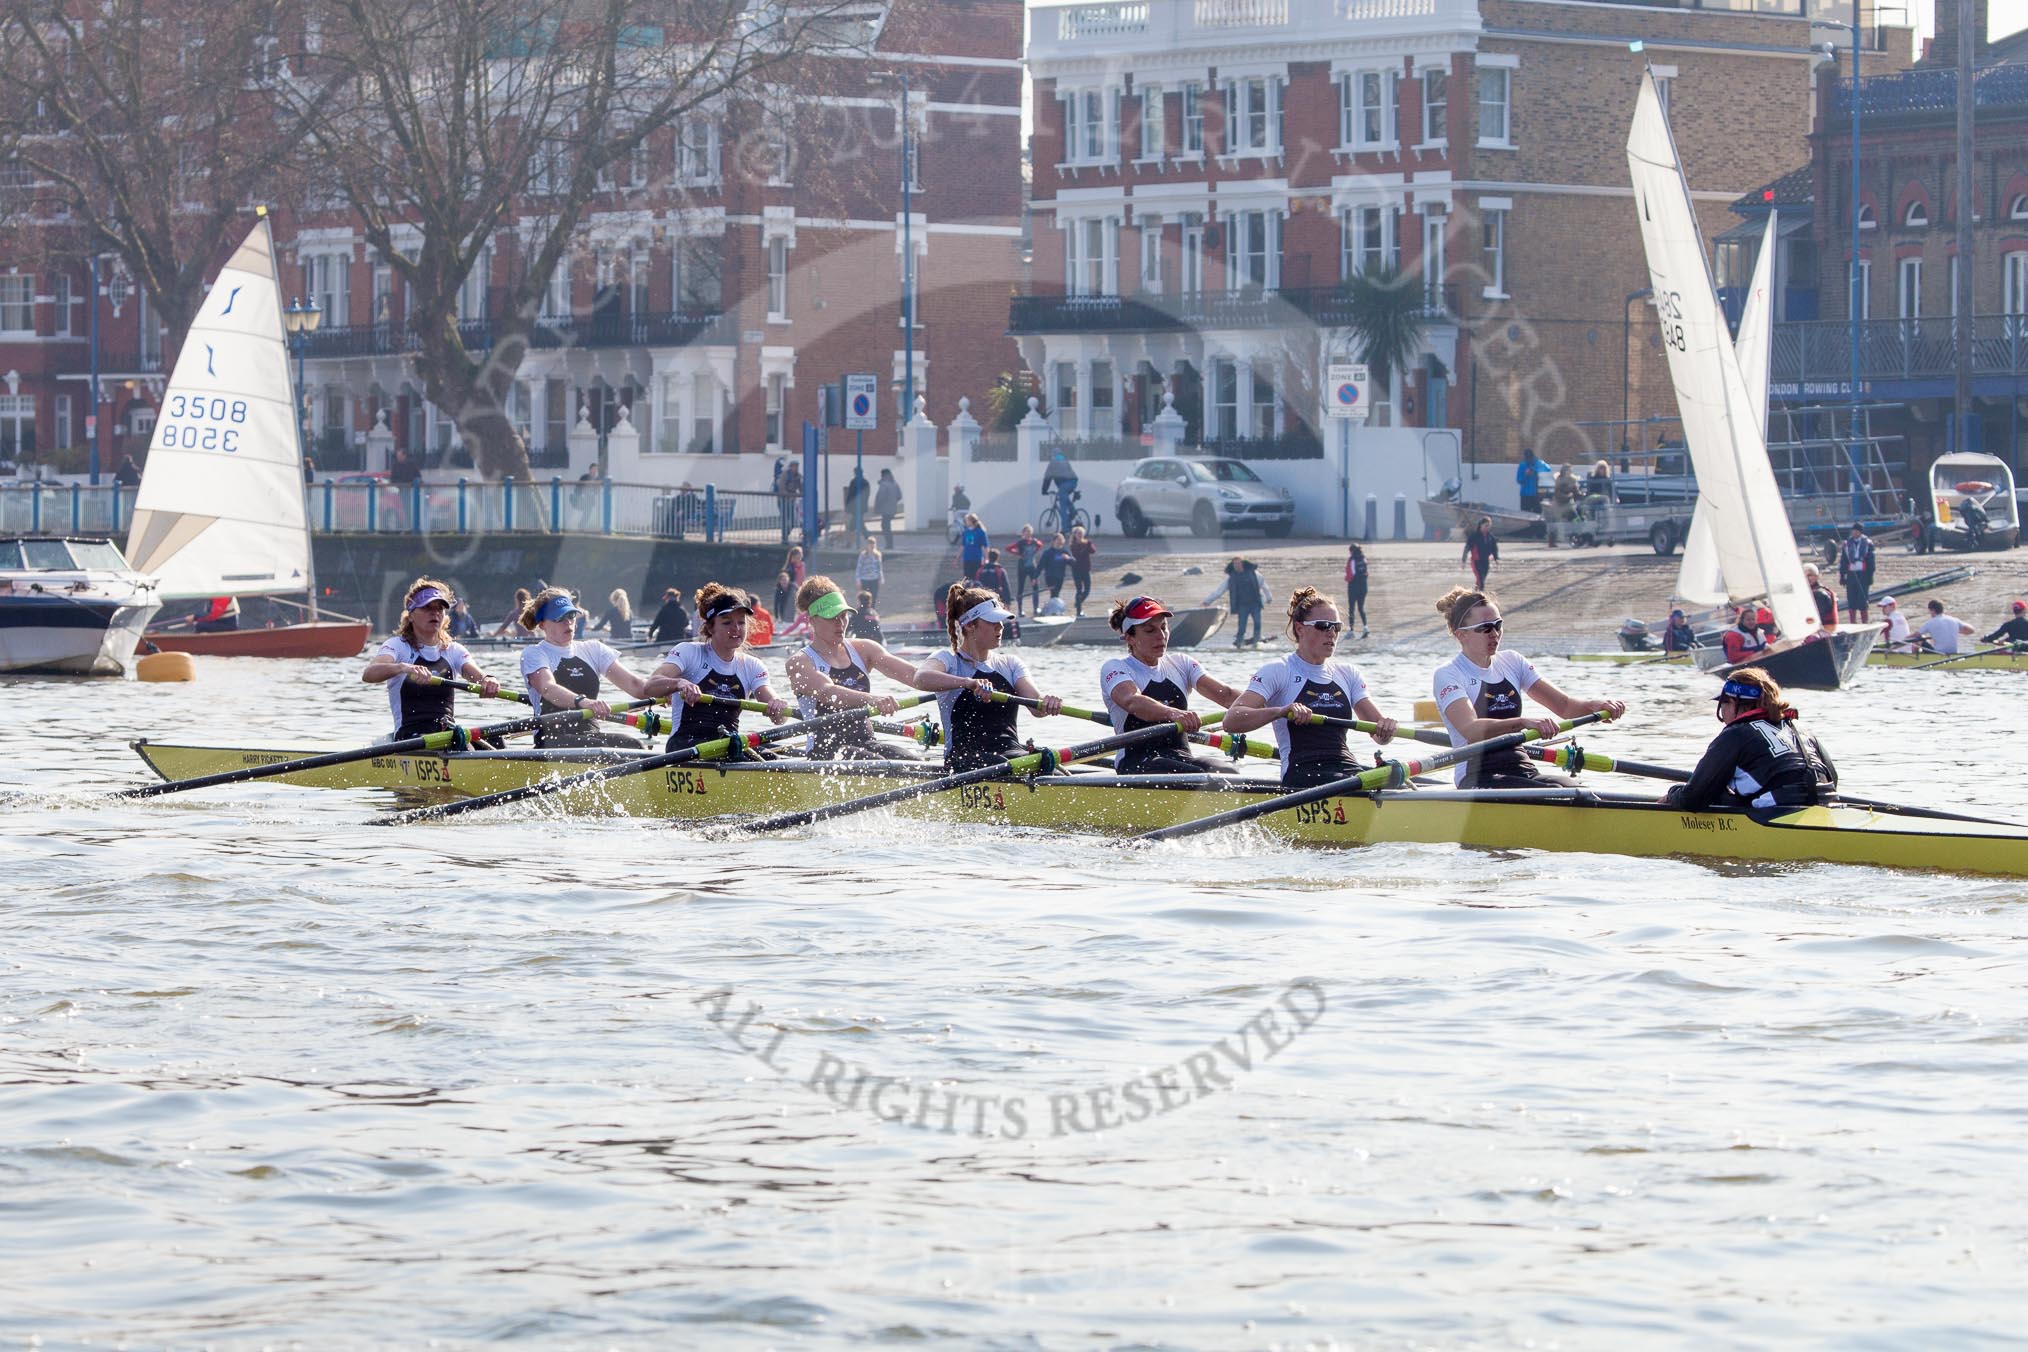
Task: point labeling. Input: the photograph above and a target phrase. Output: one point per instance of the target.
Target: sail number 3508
(1669, 308)
(191, 422)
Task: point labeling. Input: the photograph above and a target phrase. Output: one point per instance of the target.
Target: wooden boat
(1441, 516)
(312, 638)
(1564, 820)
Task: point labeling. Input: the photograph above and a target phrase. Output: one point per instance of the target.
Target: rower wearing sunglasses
(1148, 684)
(1479, 692)
(1289, 690)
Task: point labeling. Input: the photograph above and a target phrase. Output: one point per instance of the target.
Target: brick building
(1207, 173)
(730, 271)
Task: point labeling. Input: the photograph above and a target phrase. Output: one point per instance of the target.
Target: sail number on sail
(1669, 307)
(194, 423)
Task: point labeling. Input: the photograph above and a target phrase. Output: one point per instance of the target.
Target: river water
(271, 1076)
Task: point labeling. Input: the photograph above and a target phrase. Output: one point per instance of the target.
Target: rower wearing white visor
(420, 658)
(977, 731)
(834, 672)
(718, 665)
(1148, 685)
(564, 672)
(1290, 691)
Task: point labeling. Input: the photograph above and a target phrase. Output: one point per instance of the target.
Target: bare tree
(451, 128)
(139, 128)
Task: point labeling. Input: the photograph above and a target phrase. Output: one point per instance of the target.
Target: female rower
(977, 731)
(1762, 759)
(563, 672)
(1150, 685)
(716, 664)
(1309, 681)
(421, 656)
(834, 671)
(1479, 692)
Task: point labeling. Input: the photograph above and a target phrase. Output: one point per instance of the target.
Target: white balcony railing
(1242, 13)
(1076, 22)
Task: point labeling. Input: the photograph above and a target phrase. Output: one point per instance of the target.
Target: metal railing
(1930, 93)
(1820, 351)
(1298, 443)
(675, 328)
(1249, 308)
(1098, 447)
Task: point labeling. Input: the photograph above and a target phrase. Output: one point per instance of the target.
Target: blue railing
(1930, 93)
(1820, 352)
(553, 506)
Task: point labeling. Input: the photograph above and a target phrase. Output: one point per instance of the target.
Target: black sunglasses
(1323, 626)
(1487, 627)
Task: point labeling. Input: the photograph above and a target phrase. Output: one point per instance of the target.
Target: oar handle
(1428, 735)
(1232, 745)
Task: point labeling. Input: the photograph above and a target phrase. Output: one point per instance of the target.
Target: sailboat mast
(297, 411)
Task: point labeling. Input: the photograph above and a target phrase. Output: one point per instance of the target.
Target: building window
(1224, 399)
(700, 275)
(327, 277)
(1495, 113)
(1917, 214)
(1863, 269)
(697, 152)
(1368, 101)
(1262, 423)
(778, 280)
(1249, 115)
(1368, 241)
(1434, 258)
(1089, 256)
(1152, 129)
(61, 296)
(1436, 96)
(1151, 255)
(777, 388)
(1192, 280)
(1193, 119)
(1866, 221)
(1908, 290)
(63, 432)
(17, 427)
(2017, 210)
(556, 291)
(1493, 248)
(1066, 390)
(17, 303)
(1103, 397)
(1089, 126)
(1254, 260)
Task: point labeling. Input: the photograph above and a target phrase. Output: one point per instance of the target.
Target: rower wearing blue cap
(1763, 758)
(562, 671)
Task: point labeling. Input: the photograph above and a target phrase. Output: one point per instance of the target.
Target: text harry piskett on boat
(561, 671)
(1289, 691)
(418, 658)
(1763, 758)
(978, 731)
(716, 664)
(1479, 694)
(1148, 684)
(834, 671)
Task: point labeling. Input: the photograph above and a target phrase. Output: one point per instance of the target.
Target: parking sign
(1347, 385)
(862, 404)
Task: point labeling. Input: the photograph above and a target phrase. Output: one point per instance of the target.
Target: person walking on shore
(972, 545)
(789, 491)
(869, 571)
(1528, 477)
(1081, 551)
(1243, 590)
(887, 506)
(1355, 587)
(1027, 552)
(1055, 563)
(1855, 570)
(1480, 551)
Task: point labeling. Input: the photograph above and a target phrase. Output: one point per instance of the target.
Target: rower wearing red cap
(2015, 630)
(1288, 691)
(419, 658)
(1148, 685)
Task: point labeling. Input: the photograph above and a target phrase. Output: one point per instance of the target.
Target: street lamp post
(301, 321)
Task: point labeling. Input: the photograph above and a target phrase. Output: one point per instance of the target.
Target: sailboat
(1741, 547)
(220, 510)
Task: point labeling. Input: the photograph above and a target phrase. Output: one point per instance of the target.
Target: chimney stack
(1943, 48)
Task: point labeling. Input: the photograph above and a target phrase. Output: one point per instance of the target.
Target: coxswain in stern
(1148, 685)
(421, 656)
(977, 731)
(1763, 758)
(718, 665)
(834, 672)
(1310, 681)
(1479, 694)
(562, 671)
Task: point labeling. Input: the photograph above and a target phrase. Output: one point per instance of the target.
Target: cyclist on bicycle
(1060, 479)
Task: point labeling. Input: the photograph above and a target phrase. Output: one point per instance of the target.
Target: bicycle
(1052, 521)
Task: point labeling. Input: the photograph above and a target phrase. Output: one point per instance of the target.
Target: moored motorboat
(1825, 663)
(70, 605)
(1563, 820)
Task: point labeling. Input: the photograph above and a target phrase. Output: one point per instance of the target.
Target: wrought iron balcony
(1195, 311)
(1819, 354)
(668, 329)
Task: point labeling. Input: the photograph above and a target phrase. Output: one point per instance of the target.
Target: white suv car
(1209, 496)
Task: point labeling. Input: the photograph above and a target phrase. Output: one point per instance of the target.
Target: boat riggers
(432, 743)
(1232, 744)
(1033, 763)
(723, 748)
(647, 722)
(1392, 775)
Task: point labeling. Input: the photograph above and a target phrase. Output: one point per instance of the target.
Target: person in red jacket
(1743, 641)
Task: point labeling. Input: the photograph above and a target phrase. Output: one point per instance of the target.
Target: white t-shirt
(1897, 627)
(1175, 669)
(1281, 681)
(700, 664)
(1493, 692)
(452, 655)
(1942, 632)
(1010, 669)
(568, 666)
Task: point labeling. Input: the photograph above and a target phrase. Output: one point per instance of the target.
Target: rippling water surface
(270, 1074)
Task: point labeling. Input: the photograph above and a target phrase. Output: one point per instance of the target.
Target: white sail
(220, 507)
(1700, 581)
(1755, 548)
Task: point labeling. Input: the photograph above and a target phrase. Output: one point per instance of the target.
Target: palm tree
(1388, 318)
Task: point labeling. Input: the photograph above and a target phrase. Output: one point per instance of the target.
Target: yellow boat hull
(1876, 658)
(1582, 821)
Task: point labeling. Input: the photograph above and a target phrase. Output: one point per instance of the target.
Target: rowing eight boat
(1877, 658)
(1545, 819)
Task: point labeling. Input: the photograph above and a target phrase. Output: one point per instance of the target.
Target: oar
(434, 743)
(649, 723)
(1665, 657)
(1364, 782)
(1959, 657)
(1232, 744)
(713, 750)
(1034, 762)
(1414, 734)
